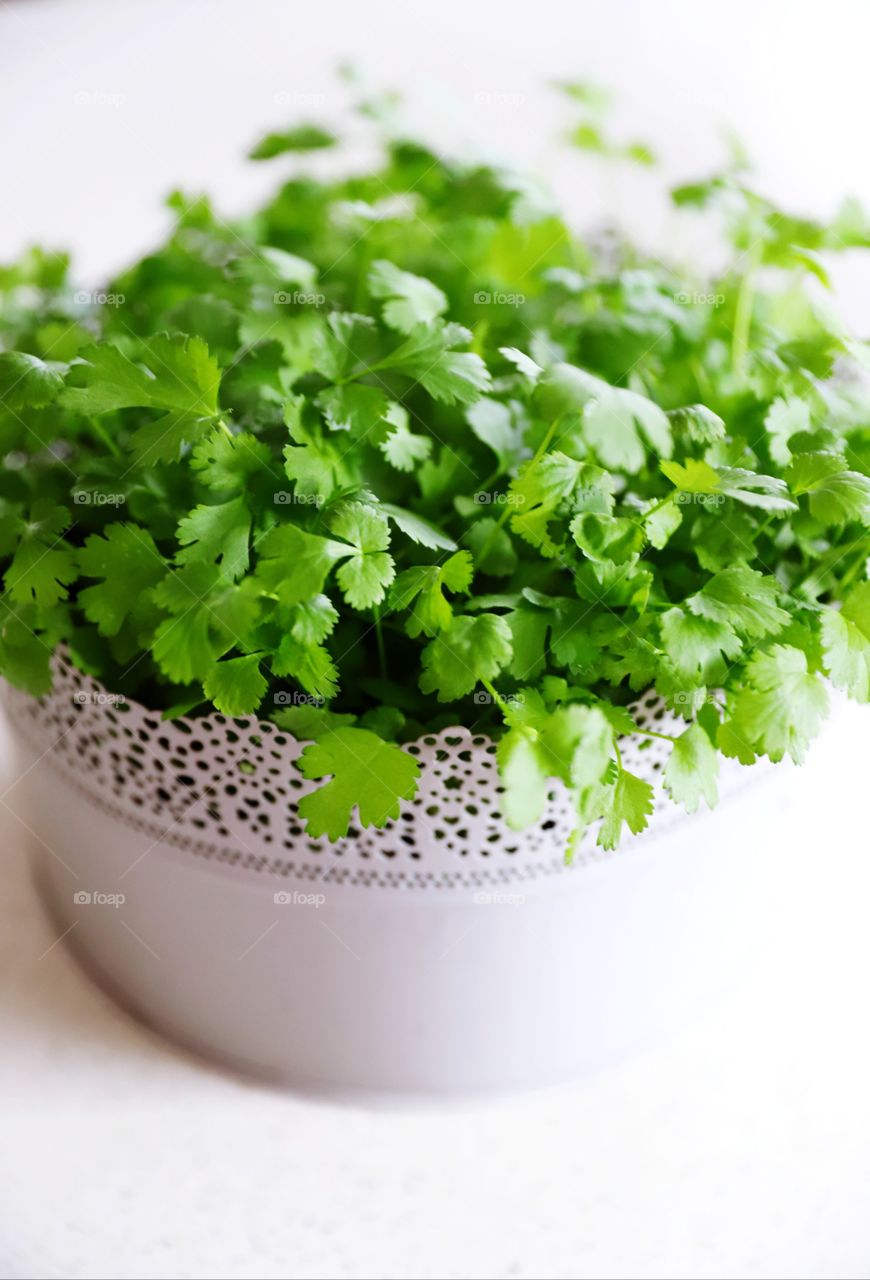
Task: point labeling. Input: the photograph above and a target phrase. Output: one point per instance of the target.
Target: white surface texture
(739, 1148)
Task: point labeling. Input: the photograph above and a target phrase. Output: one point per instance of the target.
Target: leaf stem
(506, 513)
(379, 638)
(743, 312)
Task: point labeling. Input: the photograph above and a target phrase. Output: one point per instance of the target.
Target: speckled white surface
(740, 1148)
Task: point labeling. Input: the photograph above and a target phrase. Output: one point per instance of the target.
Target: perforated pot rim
(228, 790)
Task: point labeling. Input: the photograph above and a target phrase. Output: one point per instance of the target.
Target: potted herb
(397, 551)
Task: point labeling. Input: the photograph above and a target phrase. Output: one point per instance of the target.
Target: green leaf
(304, 137)
(176, 373)
(743, 599)
(836, 495)
(785, 418)
(208, 618)
(448, 375)
(226, 461)
(697, 644)
(26, 382)
(424, 585)
(217, 534)
(411, 300)
(354, 408)
(309, 664)
(129, 563)
(236, 685)
(365, 774)
(417, 529)
(630, 802)
(295, 564)
(369, 569)
(846, 643)
(691, 476)
(405, 450)
(621, 426)
(42, 565)
(466, 652)
(691, 771)
(781, 705)
(697, 423)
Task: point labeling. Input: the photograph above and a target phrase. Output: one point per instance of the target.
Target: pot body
(446, 976)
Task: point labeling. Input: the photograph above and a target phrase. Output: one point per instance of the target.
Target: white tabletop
(739, 1148)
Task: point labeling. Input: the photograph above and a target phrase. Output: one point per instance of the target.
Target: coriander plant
(403, 450)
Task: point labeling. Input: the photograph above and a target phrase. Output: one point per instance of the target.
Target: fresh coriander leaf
(364, 773)
(411, 300)
(781, 705)
(846, 641)
(26, 382)
(691, 770)
(742, 598)
(304, 137)
(468, 651)
(236, 686)
(630, 802)
(129, 563)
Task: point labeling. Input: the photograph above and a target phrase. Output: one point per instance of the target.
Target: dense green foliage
(400, 450)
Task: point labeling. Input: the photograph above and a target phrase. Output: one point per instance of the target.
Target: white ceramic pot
(445, 954)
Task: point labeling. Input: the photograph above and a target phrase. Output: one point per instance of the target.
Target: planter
(443, 954)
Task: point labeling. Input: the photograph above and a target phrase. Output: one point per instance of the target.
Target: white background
(740, 1148)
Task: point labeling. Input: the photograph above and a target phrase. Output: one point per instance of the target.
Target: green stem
(507, 513)
(102, 434)
(495, 695)
(650, 733)
(379, 638)
(743, 312)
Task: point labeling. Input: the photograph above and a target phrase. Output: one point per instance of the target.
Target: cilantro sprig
(404, 450)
